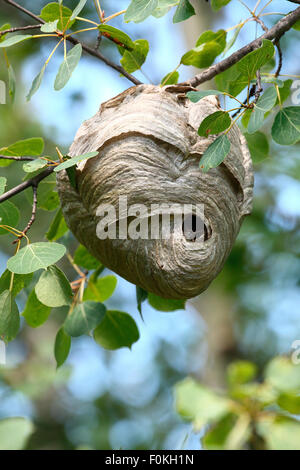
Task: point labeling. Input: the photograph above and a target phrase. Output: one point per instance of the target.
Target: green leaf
(258, 145)
(170, 79)
(214, 123)
(83, 258)
(12, 40)
(264, 104)
(279, 433)
(34, 165)
(117, 34)
(35, 256)
(36, 83)
(218, 4)
(283, 375)
(290, 403)
(57, 228)
(14, 433)
(198, 404)
(286, 127)
(232, 40)
(232, 81)
(71, 173)
(285, 91)
(20, 281)
(61, 347)
(35, 312)
(53, 288)
(9, 215)
(74, 160)
(28, 147)
(195, 96)
(3, 181)
(116, 330)
(9, 317)
(133, 60)
(215, 153)
(84, 318)
(101, 289)
(241, 372)
(163, 7)
(208, 46)
(139, 10)
(11, 83)
(184, 11)
(230, 433)
(4, 27)
(67, 67)
(141, 296)
(50, 27)
(54, 11)
(256, 59)
(165, 305)
(78, 9)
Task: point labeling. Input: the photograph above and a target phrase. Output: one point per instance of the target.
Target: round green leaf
(35, 256)
(101, 289)
(34, 165)
(84, 318)
(139, 10)
(286, 127)
(214, 123)
(53, 288)
(116, 330)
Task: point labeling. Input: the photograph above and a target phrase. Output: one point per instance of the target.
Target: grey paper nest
(149, 150)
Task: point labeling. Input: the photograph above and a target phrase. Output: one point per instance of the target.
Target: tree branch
(276, 32)
(20, 159)
(32, 182)
(33, 212)
(20, 28)
(85, 47)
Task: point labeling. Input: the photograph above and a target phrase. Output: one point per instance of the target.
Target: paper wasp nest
(149, 151)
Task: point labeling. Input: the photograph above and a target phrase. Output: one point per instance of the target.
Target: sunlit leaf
(34, 165)
(53, 288)
(118, 35)
(139, 10)
(74, 160)
(54, 11)
(12, 40)
(101, 289)
(133, 60)
(28, 147)
(35, 256)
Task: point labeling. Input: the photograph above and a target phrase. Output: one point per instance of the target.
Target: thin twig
(85, 47)
(276, 32)
(20, 159)
(280, 55)
(33, 212)
(20, 28)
